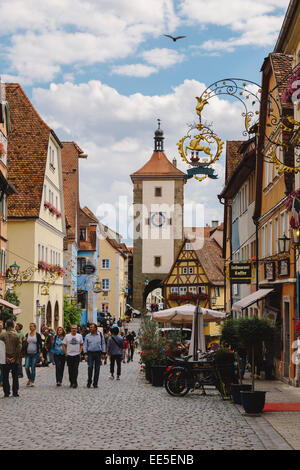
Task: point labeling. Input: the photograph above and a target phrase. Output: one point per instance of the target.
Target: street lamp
(284, 244)
(146, 282)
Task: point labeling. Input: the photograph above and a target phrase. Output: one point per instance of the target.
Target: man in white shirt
(73, 346)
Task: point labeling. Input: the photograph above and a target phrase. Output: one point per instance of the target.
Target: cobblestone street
(129, 414)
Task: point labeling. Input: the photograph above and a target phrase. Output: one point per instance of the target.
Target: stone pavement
(129, 414)
(287, 424)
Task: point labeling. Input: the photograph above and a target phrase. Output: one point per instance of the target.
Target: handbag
(24, 348)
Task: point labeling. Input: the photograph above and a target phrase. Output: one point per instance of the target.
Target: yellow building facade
(112, 273)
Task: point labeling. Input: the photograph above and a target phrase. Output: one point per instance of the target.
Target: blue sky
(100, 72)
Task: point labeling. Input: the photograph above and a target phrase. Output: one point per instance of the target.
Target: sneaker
(118, 377)
(16, 395)
(88, 385)
(95, 386)
(28, 383)
(111, 377)
(31, 384)
(58, 384)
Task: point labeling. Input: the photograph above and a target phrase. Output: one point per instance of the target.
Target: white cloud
(117, 133)
(134, 70)
(48, 35)
(162, 58)
(255, 23)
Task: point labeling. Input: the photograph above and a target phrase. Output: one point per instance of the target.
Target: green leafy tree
(72, 313)
(6, 312)
(249, 334)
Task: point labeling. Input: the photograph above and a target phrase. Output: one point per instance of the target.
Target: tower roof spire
(159, 139)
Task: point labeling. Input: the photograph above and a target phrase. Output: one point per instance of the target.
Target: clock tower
(158, 220)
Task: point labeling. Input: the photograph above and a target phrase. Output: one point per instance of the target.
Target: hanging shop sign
(89, 269)
(240, 273)
(284, 267)
(270, 271)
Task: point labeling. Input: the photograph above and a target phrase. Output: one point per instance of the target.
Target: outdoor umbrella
(202, 315)
(182, 312)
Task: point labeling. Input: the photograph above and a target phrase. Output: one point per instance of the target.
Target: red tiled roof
(26, 153)
(282, 66)
(210, 258)
(158, 166)
(233, 157)
(70, 154)
(90, 214)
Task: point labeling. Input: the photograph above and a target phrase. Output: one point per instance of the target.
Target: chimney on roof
(215, 223)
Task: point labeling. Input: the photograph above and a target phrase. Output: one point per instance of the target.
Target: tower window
(157, 261)
(158, 192)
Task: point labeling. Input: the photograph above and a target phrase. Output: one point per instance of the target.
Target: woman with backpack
(115, 351)
(57, 353)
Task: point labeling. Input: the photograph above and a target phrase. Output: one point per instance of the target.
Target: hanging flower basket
(293, 205)
(292, 90)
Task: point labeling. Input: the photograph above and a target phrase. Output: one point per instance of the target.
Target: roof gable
(26, 155)
(158, 166)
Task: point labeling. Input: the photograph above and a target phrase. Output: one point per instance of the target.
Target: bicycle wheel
(175, 384)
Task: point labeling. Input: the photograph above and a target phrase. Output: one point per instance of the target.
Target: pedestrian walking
(125, 326)
(131, 340)
(2, 352)
(115, 351)
(94, 349)
(33, 351)
(73, 346)
(58, 354)
(18, 329)
(125, 349)
(47, 346)
(13, 346)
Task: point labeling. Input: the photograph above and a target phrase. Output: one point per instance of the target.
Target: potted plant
(252, 332)
(230, 336)
(153, 355)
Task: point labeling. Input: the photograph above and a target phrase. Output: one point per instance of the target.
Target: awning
(15, 308)
(251, 299)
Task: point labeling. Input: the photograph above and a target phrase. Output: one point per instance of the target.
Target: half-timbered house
(197, 274)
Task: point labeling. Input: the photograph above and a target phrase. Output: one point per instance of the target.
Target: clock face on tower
(157, 219)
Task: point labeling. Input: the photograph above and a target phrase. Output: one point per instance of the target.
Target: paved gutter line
(269, 436)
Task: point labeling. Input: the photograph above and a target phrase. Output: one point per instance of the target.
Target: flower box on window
(2, 150)
(293, 87)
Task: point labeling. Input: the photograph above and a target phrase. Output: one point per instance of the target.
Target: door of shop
(286, 340)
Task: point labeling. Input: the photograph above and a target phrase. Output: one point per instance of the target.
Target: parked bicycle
(184, 375)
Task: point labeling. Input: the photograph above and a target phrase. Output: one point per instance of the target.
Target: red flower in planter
(292, 87)
(298, 327)
(2, 150)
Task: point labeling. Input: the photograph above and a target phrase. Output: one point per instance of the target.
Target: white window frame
(182, 290)
(103, 263)
(193, 289)
(191, 270)
(184, 270)
(108, 305)
(188, 246)
(174, 290)
(105, 283)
